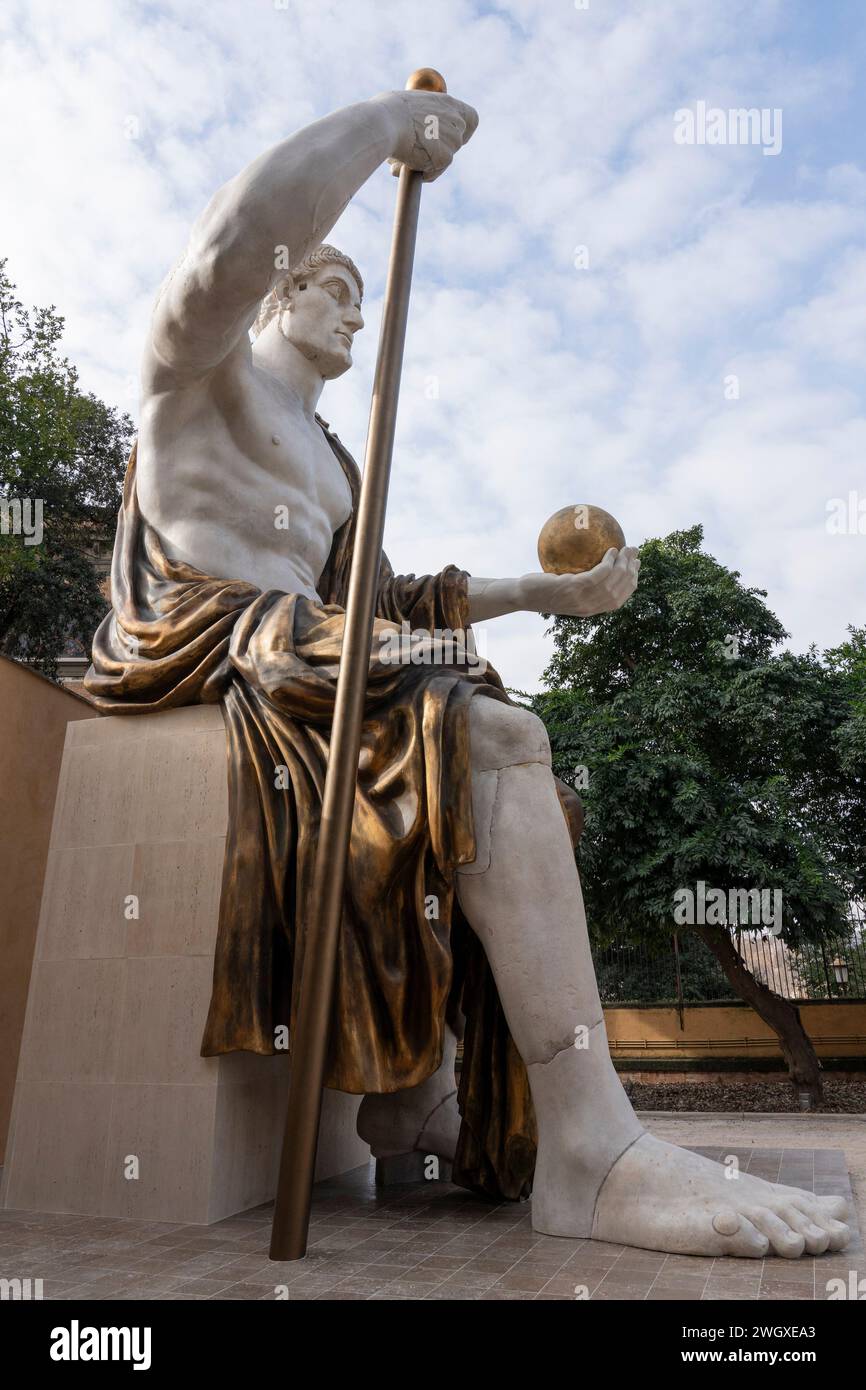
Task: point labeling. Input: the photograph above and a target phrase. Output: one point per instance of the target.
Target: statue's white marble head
(317, 307)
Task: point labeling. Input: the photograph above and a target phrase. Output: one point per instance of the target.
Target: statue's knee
(504, 735)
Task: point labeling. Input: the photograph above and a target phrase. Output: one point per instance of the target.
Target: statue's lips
(341, 334)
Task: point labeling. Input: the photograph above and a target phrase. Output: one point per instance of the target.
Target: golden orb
(426, 80)
(576, 538)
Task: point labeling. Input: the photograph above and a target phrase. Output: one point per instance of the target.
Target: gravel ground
(841, 1097)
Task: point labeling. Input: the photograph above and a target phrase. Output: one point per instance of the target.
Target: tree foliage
(66, 449)
(709, 754)
(627, 974)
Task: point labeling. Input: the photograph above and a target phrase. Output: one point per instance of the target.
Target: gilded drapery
(407, 959)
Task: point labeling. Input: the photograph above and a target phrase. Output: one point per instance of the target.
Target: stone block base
(115, 1112)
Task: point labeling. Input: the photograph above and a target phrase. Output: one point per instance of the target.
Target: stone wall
(34, 713)
(837, 1029)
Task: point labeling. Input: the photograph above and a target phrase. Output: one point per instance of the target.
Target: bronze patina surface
(575, 539)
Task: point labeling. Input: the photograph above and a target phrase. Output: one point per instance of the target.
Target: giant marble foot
(660, 1197)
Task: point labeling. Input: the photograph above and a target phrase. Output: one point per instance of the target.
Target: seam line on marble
(493, 820)
(613, 1164)
(546, 1061)
(526, 762)
(481, 872)
(437, 1106)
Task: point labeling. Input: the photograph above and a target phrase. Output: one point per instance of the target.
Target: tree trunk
(804, 1067)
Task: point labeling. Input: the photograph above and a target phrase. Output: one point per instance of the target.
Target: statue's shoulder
(337, 444)
(350, 468)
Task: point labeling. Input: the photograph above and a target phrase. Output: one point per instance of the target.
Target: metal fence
(806, 971)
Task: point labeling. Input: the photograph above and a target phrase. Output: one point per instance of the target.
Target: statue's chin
(334, 367)
(331, 364)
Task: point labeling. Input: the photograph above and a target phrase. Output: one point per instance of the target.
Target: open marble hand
(600, 590)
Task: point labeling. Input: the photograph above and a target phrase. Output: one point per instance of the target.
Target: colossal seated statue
(463, 905)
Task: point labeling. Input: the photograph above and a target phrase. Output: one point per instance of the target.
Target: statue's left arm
(600, 590)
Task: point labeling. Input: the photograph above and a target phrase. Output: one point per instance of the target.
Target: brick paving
(416, 1241)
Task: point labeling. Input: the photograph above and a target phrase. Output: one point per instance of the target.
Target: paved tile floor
(421, 1241)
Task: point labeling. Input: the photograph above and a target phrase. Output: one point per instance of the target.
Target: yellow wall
(735, 1030)
(34, 713)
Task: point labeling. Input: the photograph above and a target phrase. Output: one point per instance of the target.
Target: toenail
(726, 1223)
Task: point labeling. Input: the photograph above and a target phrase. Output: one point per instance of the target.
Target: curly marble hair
(323, 255)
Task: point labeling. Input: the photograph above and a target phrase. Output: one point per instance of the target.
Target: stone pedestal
(34, 713)
(110, 1083)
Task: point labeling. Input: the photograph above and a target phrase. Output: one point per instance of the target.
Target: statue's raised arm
(228, 443)
(277, 209)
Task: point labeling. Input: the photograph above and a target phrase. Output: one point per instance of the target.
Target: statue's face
(323, 316)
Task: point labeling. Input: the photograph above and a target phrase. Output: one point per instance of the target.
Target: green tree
(704, 754)
(848, 663)
(647, 974)
(62, 454)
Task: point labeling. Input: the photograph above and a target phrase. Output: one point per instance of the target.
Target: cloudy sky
(673, 331)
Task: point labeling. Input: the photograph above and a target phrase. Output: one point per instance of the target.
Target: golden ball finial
(426, 80)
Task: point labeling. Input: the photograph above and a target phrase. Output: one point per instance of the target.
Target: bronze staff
(312, 1024)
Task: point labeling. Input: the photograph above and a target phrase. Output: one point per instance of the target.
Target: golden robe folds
(407, 959)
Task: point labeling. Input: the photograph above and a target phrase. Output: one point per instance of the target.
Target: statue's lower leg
(598, 1172)
(423, 1119)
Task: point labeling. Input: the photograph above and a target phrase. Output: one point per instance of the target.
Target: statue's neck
(288, 364)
